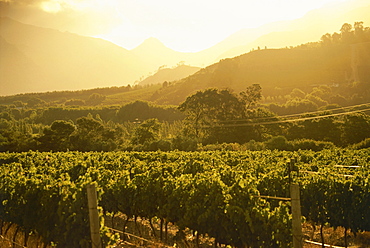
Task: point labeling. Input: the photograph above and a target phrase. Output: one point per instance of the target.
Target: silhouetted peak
(151, 44)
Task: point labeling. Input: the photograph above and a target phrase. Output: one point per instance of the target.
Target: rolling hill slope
(169, 74)
(40, 59)
(36, 59)
(276, 69)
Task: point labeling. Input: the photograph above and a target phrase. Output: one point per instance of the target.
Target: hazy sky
(190, 25)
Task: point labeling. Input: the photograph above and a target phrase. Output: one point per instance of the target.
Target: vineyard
(215, 194)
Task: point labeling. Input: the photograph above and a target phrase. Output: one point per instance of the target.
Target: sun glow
(189, 26)
(51, 6)
(195, 25)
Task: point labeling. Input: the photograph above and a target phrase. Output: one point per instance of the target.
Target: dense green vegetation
(211, 193)
(339, 61)
(211, 116)
(269, 105)
(208, 117)
(313, 96)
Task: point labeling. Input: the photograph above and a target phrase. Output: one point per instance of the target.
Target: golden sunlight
(51, 6)
(187, 26)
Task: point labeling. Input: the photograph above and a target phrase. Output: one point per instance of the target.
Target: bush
(183, 143)
(162, 145)
(308, 144)
(363, 144)
(278, 143)
(75, 102)
(222, 147)
(253, 145)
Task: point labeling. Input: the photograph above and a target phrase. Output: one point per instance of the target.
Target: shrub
(363, 144)
(253, 145)
(183, 143)
(75, 102)
(308, 144)
(222, 147)
(162, 145)
(278, 143)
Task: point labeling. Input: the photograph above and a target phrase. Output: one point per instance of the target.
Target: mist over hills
(156, 54)
(309, 28)
(36, 59)
(169, 74)
(278, 71)
(40, 59)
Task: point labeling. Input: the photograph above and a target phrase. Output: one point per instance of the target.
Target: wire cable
(285, 121)
(301, 114)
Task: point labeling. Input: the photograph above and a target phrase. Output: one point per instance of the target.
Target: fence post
(296, 214)
(92, 200)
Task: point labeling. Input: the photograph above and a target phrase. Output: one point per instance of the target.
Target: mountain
(14, 65)
(277, 71)
(341, 66)
(292, 33)
(156, 54)
(280, 34)
(40, 59)
(169, 74)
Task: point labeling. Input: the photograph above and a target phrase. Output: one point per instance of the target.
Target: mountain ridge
(49, 61)
(169, 74)
(69, 61)
(277, 71)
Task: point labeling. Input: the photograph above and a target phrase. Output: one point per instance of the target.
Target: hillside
(15, 66)
(39, 59)
(169, 74)
(109, 96)
(277, 70)
(36, 59)
(308, 28)
(156, 54)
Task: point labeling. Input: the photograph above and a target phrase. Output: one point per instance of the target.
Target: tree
(359, 31)
(297, 93)
(279, 143)
(206, 110)
(251, 95)
(95, 99)
(356, 127)
(143, 110)
(146, 132)
(57, 136)
(19, 104)
(217, 116)
(325, 129)
(317, 100)
(346, 33)
(326, 39)
(15, 136)
(35, 102)
(75, 102)
(88, 136)
(296, 105)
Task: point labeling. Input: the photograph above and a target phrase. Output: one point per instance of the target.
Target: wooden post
(93, 216)
(296, 214)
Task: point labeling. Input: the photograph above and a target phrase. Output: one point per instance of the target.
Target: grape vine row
(211, 193)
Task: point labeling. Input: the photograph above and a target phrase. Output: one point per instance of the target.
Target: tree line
(205, 120)
(348, 35)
